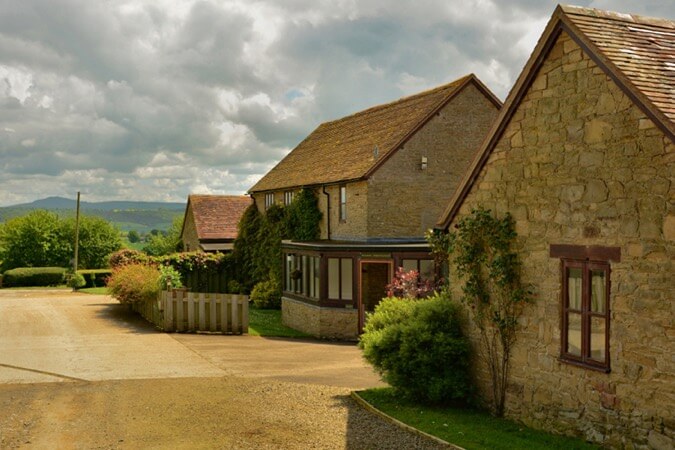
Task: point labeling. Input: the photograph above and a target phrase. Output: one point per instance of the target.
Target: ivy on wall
(257, 249)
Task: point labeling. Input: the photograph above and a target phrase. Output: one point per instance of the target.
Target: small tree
(164, 244)
(133, 236)
(485, 261)
(245, 246)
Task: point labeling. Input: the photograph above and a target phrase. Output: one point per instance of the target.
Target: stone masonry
(580, 163)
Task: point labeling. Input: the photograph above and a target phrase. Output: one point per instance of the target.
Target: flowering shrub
(410, 285)
(126, 256)
(134, 283)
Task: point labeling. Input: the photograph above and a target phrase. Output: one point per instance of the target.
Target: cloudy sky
(155, 99)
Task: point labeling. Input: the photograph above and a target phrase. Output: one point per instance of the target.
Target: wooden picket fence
(182, 311)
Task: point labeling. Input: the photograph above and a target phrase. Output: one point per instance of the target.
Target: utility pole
(77, 232)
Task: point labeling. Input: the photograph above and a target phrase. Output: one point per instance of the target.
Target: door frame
(390, 275)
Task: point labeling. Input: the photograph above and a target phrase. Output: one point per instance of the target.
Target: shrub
(95, 277)
(134, 283)
(234, 287)
(125, 256)
(418, 347)
(34, 276)
(267, 295)
(169, 276)
(76, 280)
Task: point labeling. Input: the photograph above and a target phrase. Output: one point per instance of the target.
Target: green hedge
(95, 277)
(34, 276)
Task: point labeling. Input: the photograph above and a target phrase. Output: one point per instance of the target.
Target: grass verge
(267, 322)
(468, 428)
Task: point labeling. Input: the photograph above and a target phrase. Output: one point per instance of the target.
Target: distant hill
(52, 203)
(126, 215)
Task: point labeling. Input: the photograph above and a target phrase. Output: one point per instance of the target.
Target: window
(288, 197)
(424, 267)
(343, 203)
(585, 321)
(340, 278)
(269, 200)
(585, 303)
(301, 275)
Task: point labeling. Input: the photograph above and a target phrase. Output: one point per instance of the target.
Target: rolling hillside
(140, 216)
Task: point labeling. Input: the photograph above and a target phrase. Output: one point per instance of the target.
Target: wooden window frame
(342, 192)
(340, 292)
(586, 314)
(288, 197)
(269, 200)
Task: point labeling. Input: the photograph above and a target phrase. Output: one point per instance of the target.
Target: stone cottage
(382, 177)
(210, 222)
(583, 157)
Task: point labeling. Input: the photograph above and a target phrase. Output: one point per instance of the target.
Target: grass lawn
(267, 322)
(94, 290)
(468, 428)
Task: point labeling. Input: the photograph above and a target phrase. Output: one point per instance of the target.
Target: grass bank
(468, 428)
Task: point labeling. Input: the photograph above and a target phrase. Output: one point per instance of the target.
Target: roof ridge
(617, 16)
(456, 83)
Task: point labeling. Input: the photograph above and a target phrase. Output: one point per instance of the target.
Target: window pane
(574, 334)
(574, 288)
(409, 264)
(347, 285)
(598, 285)
(427, 269)
(333, 278)
(305, 276)
(598, 328)
(289, 269)
(317, 276)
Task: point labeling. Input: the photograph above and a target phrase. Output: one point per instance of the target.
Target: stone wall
(328, 323)
(580, 164)
(189, 236)
(405, 200)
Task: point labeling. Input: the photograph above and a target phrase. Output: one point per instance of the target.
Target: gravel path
(228, 413)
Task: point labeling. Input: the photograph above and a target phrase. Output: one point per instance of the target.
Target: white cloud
(153, 99)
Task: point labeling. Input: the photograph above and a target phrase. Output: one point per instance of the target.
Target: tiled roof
(641, 48)
(217, 216)
(351, 147)
(637, 52)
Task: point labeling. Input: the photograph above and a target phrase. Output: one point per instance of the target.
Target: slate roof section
(353, 147)
(217, 216)
(637, 52)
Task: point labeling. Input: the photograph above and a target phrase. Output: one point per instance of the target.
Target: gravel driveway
(79, 371)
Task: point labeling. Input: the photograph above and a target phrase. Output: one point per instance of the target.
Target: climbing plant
(303, 217)
(488, 268)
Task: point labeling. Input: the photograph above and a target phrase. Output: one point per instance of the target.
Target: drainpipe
(327, 211)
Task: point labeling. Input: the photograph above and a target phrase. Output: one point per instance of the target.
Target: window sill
(584, 365)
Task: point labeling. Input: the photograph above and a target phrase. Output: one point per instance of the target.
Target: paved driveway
(55, 335)
(80, 371)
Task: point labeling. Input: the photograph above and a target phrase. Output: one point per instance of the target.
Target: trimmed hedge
(95, 277)
(34, 276)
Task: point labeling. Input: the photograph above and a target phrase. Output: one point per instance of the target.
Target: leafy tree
(245, 246)
(32, 240)
(98, 239)
(41, 239)
(166, 243)
(133, 236)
